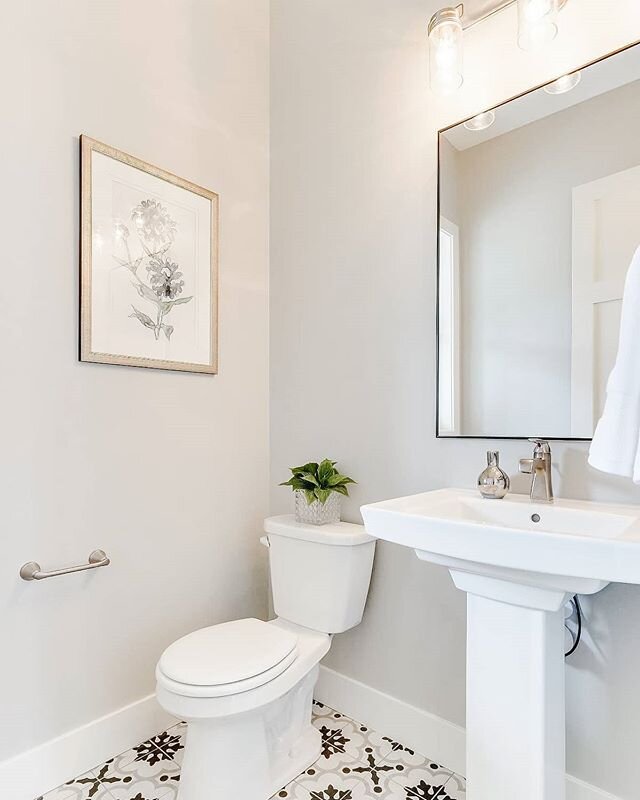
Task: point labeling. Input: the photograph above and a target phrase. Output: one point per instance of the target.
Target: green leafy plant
(318, 481)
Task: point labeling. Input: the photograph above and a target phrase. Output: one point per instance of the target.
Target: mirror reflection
(539, 219)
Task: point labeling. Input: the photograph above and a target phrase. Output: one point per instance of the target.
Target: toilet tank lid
(227, 653)
(344, 534)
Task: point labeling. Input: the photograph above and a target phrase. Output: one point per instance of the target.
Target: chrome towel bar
(32, 571)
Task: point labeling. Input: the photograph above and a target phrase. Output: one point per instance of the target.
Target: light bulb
(445, 51)
(481, 121)
(537, 23)
(564, 84)
(535, 10)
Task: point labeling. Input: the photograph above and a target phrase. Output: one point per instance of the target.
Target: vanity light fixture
(564, 84)
(537, 25)
(445, 51)
(481, 121)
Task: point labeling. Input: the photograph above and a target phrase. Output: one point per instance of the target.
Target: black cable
(578, 634)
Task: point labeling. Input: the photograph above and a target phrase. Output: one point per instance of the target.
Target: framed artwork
(148, 263)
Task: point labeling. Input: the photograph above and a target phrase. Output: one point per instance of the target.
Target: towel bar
(32, 571)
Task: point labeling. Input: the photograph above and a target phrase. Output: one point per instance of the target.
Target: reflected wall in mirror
(539, 209)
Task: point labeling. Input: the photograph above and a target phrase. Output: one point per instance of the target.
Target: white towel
(616, 443)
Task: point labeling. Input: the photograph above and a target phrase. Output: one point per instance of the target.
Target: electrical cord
(578, 634)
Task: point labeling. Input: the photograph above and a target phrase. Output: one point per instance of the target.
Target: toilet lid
(228, 653)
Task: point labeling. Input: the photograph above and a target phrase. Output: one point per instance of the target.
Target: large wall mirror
(539, 218)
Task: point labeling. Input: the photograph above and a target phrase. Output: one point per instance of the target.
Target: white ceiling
(596, 79)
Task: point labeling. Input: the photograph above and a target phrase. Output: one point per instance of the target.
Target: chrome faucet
(539, 467)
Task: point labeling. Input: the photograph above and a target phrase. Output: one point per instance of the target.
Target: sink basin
(571, 544)
(519, 562)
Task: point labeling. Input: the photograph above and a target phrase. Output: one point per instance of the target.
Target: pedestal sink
(519, 562)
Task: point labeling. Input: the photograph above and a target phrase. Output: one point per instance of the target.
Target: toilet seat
(227, 659)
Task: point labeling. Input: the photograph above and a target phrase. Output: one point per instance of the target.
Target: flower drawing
(165, 278)
(156, 232)
(153, 223)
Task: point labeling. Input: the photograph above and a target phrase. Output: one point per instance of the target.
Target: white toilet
(245, 688)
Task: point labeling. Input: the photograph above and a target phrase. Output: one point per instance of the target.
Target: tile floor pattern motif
(356, 763)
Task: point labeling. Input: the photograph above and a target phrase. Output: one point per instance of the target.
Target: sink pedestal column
(515, 690)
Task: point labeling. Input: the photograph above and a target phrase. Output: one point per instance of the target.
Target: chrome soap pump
(493, 481)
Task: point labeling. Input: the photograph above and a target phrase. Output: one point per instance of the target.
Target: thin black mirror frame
(441, 131)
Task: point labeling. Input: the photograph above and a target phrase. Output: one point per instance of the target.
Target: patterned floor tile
(341, 734)
(320, 710)
(330, 789)
(286, 793)
(339, 749)
(418, 775)
(371, 764)
(337, 786)
(363, 777)
(172, 742)
(377, 776)
(335, 762)
(146, 770)
(427, 782)
(400, 754)
(85, 787)
(455, 789)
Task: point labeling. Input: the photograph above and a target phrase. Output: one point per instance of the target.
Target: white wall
(352, 365)
(165, 471)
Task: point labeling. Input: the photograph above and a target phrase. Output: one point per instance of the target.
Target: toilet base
(254, 754)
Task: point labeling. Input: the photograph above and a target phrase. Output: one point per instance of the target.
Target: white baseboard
(441, 740)
(579, 790)
(35, 772)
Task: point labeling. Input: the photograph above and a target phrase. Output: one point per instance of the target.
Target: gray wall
(352, 342)
(165, 471)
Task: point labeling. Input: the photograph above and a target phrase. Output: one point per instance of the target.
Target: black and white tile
(455, 789)
(356, 763)
(85, 787)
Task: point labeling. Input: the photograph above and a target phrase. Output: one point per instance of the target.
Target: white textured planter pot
(317, 513)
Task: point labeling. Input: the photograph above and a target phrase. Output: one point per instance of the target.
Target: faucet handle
(525, 466)
(542, 447)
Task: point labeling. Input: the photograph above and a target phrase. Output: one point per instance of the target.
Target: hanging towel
(616, 443)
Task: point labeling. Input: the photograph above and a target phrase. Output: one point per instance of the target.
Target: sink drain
(535, 518)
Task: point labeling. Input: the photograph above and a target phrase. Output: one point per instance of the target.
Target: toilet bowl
(245, 688)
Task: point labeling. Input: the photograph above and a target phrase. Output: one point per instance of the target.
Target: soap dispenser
(493, 482)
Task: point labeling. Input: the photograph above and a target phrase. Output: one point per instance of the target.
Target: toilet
(245, 688)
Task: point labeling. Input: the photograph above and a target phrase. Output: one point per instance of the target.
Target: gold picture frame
(171, 219)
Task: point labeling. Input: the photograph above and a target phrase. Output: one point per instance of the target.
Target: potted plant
(318, 488)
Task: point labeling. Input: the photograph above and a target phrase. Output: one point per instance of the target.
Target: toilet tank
(320, 574)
